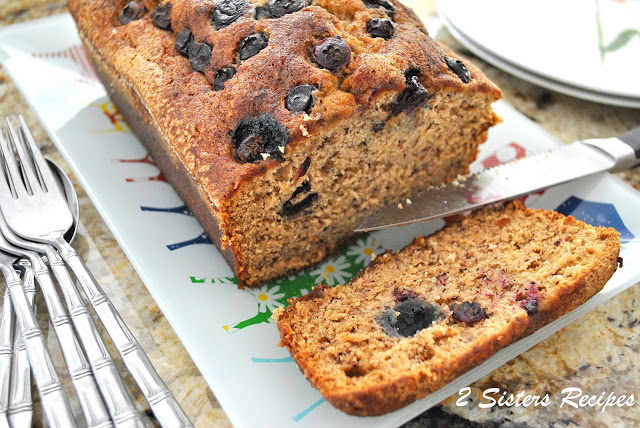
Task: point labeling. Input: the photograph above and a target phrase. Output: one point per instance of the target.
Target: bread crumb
(459, 180)
(304, 131)
(408, 201)
(400, 206)
(306, 117)
(281, 148)
(264, 155)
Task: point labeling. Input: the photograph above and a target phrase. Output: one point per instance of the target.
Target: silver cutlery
(114, 392)
(20, 399)
(16, 406)
(54, 400)
(35, 210)
(89, 397)
(7, 327)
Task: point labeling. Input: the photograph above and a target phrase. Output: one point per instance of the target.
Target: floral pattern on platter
(332, 272)
(365, 250)
(267, 297)
(338, 270)
(624, 38)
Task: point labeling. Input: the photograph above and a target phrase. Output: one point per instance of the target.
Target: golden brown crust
(172, 91)
(163, 154)
(542, 256)
(188, 126)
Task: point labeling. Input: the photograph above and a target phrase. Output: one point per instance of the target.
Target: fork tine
(30, 175)
(40, 162)
(4, 173)
(11, 174)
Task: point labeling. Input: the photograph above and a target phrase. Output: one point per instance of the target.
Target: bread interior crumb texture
(353, 169)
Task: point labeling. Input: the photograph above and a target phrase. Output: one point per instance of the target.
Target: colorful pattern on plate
(338, 270)
(596, 214)
(624, 38)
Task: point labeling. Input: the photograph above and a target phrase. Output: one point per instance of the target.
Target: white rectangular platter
(225, 329)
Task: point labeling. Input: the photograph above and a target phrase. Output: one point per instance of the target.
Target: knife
(514, 179)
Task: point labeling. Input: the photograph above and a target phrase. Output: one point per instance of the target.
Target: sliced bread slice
(415, 320)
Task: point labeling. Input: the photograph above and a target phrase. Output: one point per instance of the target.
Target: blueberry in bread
(283, 123)
(413, 321)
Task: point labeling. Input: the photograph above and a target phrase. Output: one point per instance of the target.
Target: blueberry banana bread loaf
(413, 321)
(281, 123)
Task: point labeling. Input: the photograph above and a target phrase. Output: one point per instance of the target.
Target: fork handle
(20, 400)
(7, 328)
(114, 392)
(162, 402)
(54, 401)
(89, 397)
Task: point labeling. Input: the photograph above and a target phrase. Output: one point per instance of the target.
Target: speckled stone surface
(598, 353)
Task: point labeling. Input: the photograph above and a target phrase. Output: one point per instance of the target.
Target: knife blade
(511, 180)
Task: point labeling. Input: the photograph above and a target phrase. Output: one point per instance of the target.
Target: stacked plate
(588, 49)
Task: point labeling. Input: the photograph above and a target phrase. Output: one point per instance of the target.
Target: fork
(44, 216)
(20, 410)
(16, 404)
(114, 392)
(79, 369)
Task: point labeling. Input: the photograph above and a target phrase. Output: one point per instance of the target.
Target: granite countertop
(599, 352)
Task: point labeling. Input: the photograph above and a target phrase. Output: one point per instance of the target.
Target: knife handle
(632, 138)
(625, 149)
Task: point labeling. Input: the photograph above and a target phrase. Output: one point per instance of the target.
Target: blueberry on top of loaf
(273, 47)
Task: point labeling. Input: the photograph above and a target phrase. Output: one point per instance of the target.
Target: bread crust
(143, 124)
(165, 89)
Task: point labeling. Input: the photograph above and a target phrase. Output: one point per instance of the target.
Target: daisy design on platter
(365, 250)
(267, 298)
(333, 272)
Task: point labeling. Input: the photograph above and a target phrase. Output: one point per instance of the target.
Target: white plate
(589, 45)
(225, 329)
(524, 74)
